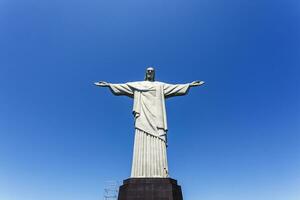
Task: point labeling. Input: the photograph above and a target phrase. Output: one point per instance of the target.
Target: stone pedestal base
(150, 189)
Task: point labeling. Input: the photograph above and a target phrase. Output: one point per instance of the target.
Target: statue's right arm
(117, 89)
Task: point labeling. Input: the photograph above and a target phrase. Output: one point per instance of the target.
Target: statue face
(150, 74)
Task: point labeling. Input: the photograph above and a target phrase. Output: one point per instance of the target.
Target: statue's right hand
(102, 84)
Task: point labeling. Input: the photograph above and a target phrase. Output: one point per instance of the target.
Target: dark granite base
(150, 189)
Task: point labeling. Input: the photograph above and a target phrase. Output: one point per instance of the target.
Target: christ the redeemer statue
(150, 143)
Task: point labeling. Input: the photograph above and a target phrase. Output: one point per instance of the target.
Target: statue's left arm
(171, 90)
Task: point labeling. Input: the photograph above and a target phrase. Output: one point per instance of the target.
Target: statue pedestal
(150, 189)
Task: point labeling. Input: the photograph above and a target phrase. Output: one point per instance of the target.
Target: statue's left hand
(196, 83)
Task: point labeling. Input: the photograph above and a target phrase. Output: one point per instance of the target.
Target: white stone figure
(150, 143)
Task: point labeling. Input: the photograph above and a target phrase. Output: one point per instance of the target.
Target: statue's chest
(149, 91)
(150, 96)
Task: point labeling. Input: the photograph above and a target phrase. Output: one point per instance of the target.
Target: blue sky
(237, 137)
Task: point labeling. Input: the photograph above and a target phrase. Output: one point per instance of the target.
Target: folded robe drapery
(149, 156)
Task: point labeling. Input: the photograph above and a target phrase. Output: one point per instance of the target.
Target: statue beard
(149, 78)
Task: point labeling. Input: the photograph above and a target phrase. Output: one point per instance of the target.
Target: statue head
(150, 74)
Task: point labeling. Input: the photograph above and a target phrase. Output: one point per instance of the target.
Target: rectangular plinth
(150, 189)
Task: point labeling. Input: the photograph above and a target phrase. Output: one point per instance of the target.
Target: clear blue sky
(237, 137)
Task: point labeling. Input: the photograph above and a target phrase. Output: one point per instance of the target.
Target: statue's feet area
(150, 189)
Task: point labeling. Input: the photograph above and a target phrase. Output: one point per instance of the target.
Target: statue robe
(149, 156)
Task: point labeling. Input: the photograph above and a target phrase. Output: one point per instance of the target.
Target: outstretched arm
(171, 90)
(102, 84)
(196, 83)
(117, 89)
